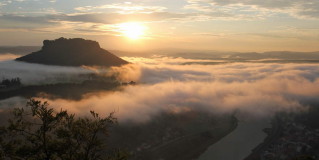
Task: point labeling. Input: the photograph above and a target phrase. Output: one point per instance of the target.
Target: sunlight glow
(132, 30)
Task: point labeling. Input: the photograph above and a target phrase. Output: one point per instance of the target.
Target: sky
(142, 25)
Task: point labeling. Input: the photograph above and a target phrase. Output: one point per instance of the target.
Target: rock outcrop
(73, 52)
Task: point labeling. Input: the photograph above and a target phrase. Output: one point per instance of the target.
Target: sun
(132, 30)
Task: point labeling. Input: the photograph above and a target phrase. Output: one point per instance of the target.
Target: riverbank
(185, 137)
(288, 139)
(273, 134)
(192, 146)
(239, 143)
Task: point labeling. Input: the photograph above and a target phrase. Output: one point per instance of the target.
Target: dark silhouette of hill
(72, 52)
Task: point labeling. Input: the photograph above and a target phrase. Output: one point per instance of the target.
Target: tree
(37, 132)
(11, 82)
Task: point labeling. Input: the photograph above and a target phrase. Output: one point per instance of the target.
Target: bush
(37, 132)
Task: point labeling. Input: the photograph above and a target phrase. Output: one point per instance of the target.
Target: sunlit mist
(132, 30)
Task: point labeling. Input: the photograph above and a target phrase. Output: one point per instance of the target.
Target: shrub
(37, 132)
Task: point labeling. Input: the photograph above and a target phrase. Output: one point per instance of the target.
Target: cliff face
(72, 52)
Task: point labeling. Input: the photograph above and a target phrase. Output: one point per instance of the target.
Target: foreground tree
(37, 132)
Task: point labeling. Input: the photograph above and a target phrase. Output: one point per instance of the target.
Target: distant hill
(280, 55)
(72, 52)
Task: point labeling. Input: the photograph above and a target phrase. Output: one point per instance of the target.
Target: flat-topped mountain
(72, 52)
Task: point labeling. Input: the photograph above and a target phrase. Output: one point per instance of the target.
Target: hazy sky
(225, 25)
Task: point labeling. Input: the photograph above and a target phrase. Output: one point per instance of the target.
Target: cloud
(260, 98)
(112, 18)
(86, 23)
(13, 20)
(125, 8)
(251, 89)
(161, 69)
(166, 85)
(91, 17)
(297, 8)
(2, 4)
(8, 56)
(36, 74)
(27, 23)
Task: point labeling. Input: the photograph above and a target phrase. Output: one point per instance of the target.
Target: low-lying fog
(37, 74)
(167, 84)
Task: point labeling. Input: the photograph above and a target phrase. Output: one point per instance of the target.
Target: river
(238, 144)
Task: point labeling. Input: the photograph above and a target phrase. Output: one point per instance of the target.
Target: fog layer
(165, 84)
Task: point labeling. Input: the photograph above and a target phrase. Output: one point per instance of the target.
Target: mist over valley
(169, 100)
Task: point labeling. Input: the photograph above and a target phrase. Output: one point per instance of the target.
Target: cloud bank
(166, 85)
(8, 56)
(35, 74)
(297, 8)
(252, 89)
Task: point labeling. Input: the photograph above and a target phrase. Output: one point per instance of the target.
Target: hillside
(72, 52)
